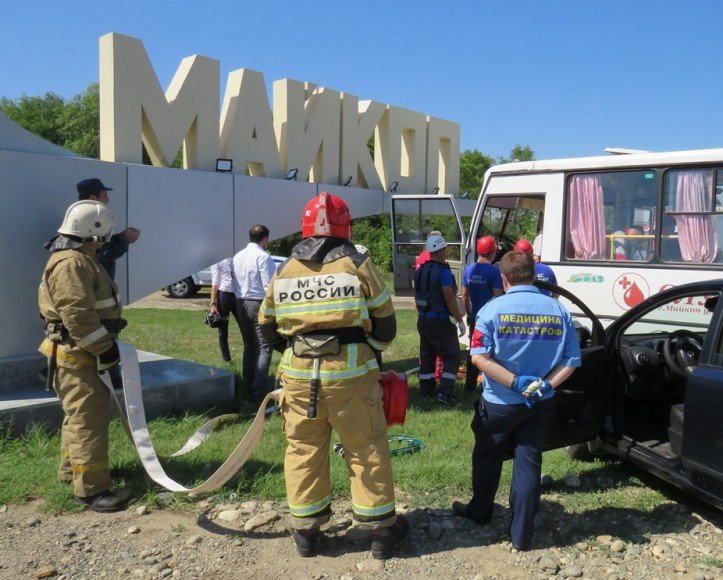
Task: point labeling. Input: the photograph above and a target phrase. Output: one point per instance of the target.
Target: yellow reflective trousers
(355, 412)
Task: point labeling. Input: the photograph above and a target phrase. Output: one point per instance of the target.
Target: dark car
(650, 388)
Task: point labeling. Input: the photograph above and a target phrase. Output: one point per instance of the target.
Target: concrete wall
(189, 219)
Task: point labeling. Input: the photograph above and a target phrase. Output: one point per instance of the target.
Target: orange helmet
(524, 246)
(486, 245)
(326, 215)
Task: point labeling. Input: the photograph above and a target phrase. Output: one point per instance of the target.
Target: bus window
(611, 216)
(510, 218)
(692, 223)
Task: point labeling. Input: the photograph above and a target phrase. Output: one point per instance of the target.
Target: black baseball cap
(92, 186)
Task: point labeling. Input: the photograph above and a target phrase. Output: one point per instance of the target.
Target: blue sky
(567, 78)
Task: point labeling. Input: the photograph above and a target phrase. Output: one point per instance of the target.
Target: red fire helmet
(486, 245)
(326, 215)
(523, 246)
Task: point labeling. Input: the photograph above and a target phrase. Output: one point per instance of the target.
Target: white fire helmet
(435, 242)
(88, 220)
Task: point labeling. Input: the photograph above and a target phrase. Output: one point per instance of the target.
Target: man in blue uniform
(436, 300)
(521, 339)
(481, 282)
(542, 271)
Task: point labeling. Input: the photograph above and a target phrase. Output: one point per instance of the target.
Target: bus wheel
(586, 451)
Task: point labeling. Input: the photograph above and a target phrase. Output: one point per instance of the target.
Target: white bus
(615, 229)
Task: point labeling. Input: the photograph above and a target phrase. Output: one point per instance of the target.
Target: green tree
(472, 167)
(74, 125)
(518, 153)
(40, 115)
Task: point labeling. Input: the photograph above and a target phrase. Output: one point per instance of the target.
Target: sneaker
(384, 540)
(462, 509)
(446, 399)
(306, 542)
(105, 501)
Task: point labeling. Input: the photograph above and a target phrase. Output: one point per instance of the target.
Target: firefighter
(81, 310)
(435, 296)
(327, 308)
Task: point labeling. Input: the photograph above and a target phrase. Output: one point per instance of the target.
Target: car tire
(586, 451)
(182, 289)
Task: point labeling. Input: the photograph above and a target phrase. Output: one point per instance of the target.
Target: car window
(692, 312)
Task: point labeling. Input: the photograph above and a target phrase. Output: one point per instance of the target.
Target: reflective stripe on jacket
(344, 290)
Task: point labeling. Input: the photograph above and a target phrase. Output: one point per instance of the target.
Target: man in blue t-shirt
(521, 340)
(436, 300)
(542, 271)
(481, 282)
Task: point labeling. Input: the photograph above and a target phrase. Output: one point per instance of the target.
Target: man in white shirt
(223, 301)
(253, 268)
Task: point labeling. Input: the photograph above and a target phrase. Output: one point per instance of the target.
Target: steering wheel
(681, 351)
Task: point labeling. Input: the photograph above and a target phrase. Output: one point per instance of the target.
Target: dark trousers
(226, 304)
(497, 429)
(257, 352)
(437, 336)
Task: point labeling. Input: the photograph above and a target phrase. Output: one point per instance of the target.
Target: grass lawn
(433, 478)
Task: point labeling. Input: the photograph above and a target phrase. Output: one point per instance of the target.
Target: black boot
(384, 540)
(306, 542)
(105, 501)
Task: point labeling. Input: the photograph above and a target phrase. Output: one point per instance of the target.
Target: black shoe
(462, 509)
(105, 501)
(306, 541)
(447, 399)
(384, 540)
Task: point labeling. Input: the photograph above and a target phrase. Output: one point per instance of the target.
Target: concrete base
(170, 386)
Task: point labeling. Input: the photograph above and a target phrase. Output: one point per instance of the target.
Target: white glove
(462, 328)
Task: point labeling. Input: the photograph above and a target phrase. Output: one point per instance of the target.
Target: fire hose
(394, 391)
(137, 428)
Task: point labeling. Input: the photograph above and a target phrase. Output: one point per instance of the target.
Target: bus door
(413, 218)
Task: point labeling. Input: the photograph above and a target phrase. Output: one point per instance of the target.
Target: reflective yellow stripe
(107, 303)
(381, 510)
(266, 311)
(90, 467)
(374, 303)
(352, 371)
(327, 306)
(94, 336)
(305, 511)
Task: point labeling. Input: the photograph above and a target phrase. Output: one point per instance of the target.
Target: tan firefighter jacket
(76, 291)
(325, 285)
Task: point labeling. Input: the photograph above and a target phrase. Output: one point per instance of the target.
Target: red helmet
(326, 215)
(523, 246)
(486, 245)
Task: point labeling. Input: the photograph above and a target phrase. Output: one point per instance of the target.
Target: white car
(192, 284)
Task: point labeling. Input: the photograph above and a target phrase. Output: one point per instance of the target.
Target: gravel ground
(252, 539)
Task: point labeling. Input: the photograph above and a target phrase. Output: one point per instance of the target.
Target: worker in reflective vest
(81, 310)
(327, 308)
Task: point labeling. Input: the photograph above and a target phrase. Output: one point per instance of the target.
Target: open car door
(413, 218)
(582, 401)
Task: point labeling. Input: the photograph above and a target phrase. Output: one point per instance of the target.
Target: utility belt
(56, 331)
(327, 342)
(315, 345)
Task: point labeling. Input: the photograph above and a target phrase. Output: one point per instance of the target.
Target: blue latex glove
(521, 382)
(538, 394)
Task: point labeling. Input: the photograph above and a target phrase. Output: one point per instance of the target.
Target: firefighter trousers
(84, 436)
(355, 412)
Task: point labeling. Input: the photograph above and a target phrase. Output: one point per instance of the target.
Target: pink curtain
(696, 233)
(586, 217)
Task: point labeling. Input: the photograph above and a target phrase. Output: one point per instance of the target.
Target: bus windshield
(511, 218)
